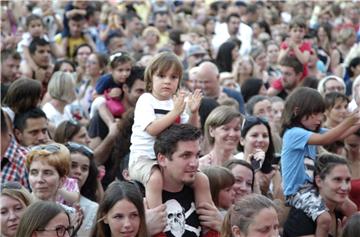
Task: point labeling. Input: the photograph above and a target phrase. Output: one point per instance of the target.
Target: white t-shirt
(148, 109)
(53, 115)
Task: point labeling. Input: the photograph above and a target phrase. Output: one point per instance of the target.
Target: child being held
(302, 132)
(110, 85)
(157, 109)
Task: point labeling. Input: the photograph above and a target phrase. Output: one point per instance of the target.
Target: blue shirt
(237, 96)
(295, 151)
(105, 82)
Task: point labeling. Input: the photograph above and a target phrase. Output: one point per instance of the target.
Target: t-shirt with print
(182, 219)
(148, 109)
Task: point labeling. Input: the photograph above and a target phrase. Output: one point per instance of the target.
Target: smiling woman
(121, 212)
(222, 130)
(332, 184)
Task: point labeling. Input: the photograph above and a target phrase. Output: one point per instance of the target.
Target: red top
(305, 46)
(354, 194)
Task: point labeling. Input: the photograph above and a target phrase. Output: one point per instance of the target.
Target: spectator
(244, 178)
(31, 128)
(14, 200)
(43, 217)
(12, 157)
(121, 198)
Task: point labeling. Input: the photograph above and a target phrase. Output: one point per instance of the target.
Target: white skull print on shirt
(182, 219)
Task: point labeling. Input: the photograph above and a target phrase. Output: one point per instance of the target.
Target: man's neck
(171, 186)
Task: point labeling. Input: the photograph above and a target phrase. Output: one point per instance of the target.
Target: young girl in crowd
(110, 85)
(301, 130)
(121, 211)
(84, 170)
(221, 182)
(336, 108)
(155, 111)
(35, 28)
(254, 215)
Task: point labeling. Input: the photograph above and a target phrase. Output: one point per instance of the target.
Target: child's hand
(115, 93)
(354, 117)
(291, 44)
(194, 101)
(179, 102)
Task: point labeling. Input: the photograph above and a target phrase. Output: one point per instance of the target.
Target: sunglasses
(76, 147)
(11, 185)
(52, 148)
(250, 121)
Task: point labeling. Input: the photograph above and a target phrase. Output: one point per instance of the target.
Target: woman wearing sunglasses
(14, 200)
(45, 219)
(258, 150)
(84, 170)
(48, 167)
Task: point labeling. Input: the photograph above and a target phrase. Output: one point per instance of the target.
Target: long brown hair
(117, 191)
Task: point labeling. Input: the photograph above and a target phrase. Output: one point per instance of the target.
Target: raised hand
(179, 103)
(194, 101)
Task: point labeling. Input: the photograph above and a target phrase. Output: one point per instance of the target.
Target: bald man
(208, 77)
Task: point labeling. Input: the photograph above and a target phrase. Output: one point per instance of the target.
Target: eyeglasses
(52, 148)
(76, 147)
(61, 230)
(11, 185)
(114, 56)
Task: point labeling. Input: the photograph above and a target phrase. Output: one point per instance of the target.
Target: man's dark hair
(111, 36)
(77, 17)
(232, 15)
(292, 61)
(20, 119)
(131, 15)
(37, 41)
(9, 53)
(166, 141)
(137, 73)
(4, 127)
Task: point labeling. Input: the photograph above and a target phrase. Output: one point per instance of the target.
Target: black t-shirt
(299, 224)
(182, 219)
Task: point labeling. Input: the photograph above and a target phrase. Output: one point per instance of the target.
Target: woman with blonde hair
(14, 200)
(222, 132)
(61, 89)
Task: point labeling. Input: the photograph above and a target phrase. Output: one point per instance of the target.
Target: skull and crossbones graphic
(176, 219)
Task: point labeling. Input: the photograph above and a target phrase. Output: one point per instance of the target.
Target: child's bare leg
(323, 223)
(153, 188)
(201, 188)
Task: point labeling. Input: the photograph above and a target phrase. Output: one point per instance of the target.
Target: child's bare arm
(159, 125)
(282, 53)
(337, 132)
(29, 59)
(194, 105)
(106, 115)
(70, 197)
(302, 56)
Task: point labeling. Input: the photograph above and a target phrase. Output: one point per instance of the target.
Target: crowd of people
(180, 118)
